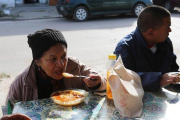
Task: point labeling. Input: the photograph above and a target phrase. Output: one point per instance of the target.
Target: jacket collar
(70, 65)
(30, 80)
(165, 45)
(140, 39)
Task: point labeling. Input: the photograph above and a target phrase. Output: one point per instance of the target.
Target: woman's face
(54, 61)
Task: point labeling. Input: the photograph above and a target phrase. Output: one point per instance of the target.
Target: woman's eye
(64, 57)
(52, 59)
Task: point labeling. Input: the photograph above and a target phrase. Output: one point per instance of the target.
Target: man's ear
(150, 32)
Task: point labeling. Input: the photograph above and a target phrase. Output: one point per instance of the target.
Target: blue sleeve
(126, 55)
(174, 66)
(150, 80)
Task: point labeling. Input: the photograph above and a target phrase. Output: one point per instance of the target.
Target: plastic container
(109, 66)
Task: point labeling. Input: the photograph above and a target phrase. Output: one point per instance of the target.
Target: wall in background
(8, 3)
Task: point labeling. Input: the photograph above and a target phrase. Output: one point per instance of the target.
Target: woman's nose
(60, 63)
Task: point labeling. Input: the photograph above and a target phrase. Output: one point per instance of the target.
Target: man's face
(161, 33)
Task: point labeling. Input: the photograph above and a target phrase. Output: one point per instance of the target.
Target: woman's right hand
(15, 117)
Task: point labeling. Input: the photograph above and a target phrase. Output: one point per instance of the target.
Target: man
(149, 51)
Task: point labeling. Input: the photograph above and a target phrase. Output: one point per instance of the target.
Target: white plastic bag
(127, 91)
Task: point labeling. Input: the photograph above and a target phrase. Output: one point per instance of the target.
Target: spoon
(68, 75)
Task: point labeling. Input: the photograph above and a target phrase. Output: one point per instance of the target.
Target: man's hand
(91, 83)
(168, 78)
(15, 117)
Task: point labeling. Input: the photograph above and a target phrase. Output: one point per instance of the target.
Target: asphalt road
(90, 41)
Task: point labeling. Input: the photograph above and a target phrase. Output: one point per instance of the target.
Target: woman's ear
(37, 62)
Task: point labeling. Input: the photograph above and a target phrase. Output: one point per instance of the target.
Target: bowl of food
(69, 97)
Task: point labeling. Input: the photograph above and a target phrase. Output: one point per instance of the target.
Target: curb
(12, 19)
(5, 18)
(26, 13)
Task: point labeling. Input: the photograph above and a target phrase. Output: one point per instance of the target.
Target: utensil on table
(68, 75)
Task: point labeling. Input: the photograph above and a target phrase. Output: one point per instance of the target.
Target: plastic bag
(127, 91)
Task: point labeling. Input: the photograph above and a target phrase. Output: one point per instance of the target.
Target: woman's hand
(15, 117)
(92, 83)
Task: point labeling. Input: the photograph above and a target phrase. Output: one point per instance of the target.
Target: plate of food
(175, 73)
(69, 97)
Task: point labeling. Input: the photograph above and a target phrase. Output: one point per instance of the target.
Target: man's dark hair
(152, 17)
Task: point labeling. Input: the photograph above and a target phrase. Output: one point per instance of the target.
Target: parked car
(31, 1)
(81, 10)
(168, 4)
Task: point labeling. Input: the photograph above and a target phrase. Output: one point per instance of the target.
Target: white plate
(175, 73)
(79, 96)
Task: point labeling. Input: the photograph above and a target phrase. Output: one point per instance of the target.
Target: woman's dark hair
(41, 41)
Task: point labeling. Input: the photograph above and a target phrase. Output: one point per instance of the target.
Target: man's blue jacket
(149, 66)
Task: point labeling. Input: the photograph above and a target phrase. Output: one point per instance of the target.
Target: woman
(44, 75)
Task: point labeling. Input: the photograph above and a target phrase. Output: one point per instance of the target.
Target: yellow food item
(67, 75)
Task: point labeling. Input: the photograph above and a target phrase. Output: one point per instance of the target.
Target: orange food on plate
(68, 97)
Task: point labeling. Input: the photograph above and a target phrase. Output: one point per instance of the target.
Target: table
(164, 104)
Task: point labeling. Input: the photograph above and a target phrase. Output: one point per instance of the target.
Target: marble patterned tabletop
(162, 105)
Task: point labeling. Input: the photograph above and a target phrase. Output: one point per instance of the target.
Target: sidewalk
(31, 11)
